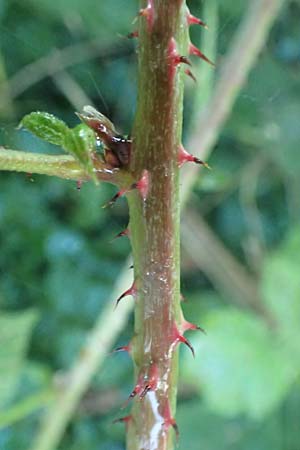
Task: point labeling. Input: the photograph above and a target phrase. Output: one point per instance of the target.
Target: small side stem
(62, 166)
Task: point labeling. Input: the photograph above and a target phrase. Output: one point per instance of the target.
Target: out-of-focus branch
(6, 103)
(211, 256)
(59, 60)
(100, 340)
(25, 407)
(255, 245)
(72, 90)
(246, 46)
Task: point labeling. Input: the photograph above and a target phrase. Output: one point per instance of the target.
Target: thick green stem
(154, 224)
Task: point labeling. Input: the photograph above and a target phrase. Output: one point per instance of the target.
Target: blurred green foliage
(57, 265)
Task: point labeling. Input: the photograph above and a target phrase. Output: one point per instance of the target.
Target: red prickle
(190, 74)
(137, 390)
(143, 185)
(113, 200)
(185, 326)
(148, 13)
(175, 58)
(123, 348)
(152, 380)
(185, 341)
(125, 232)
(184, 156)
(131, 291)
(169, 421)
(126, 420)
(179, 338)
(193, 50)
(79, 184)
(193, 20)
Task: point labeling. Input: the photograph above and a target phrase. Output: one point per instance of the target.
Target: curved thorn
(124, 419)
(200, 329)
(148, 13)
(191, 326)
(203, 163)
(124, 348)
(113, 200)
(121, 234)
(185, 341)
(169, 421)
(130, 291)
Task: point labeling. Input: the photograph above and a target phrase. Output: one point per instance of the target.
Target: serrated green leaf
(46, 127)
(241, 366)
(15, 331)
(81, 143)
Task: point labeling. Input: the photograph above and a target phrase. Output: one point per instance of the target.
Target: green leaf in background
(81, 143)
(46, 127)
(281, 291)
(241, 367)
(15, 331)
(198, 427)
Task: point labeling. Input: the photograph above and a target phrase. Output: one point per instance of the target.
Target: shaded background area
(240, 236)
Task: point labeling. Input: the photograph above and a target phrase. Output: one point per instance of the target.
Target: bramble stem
(154, 222)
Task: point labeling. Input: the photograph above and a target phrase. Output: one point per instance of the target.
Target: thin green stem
(56, 61)
(62, 166)
(25, 407)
